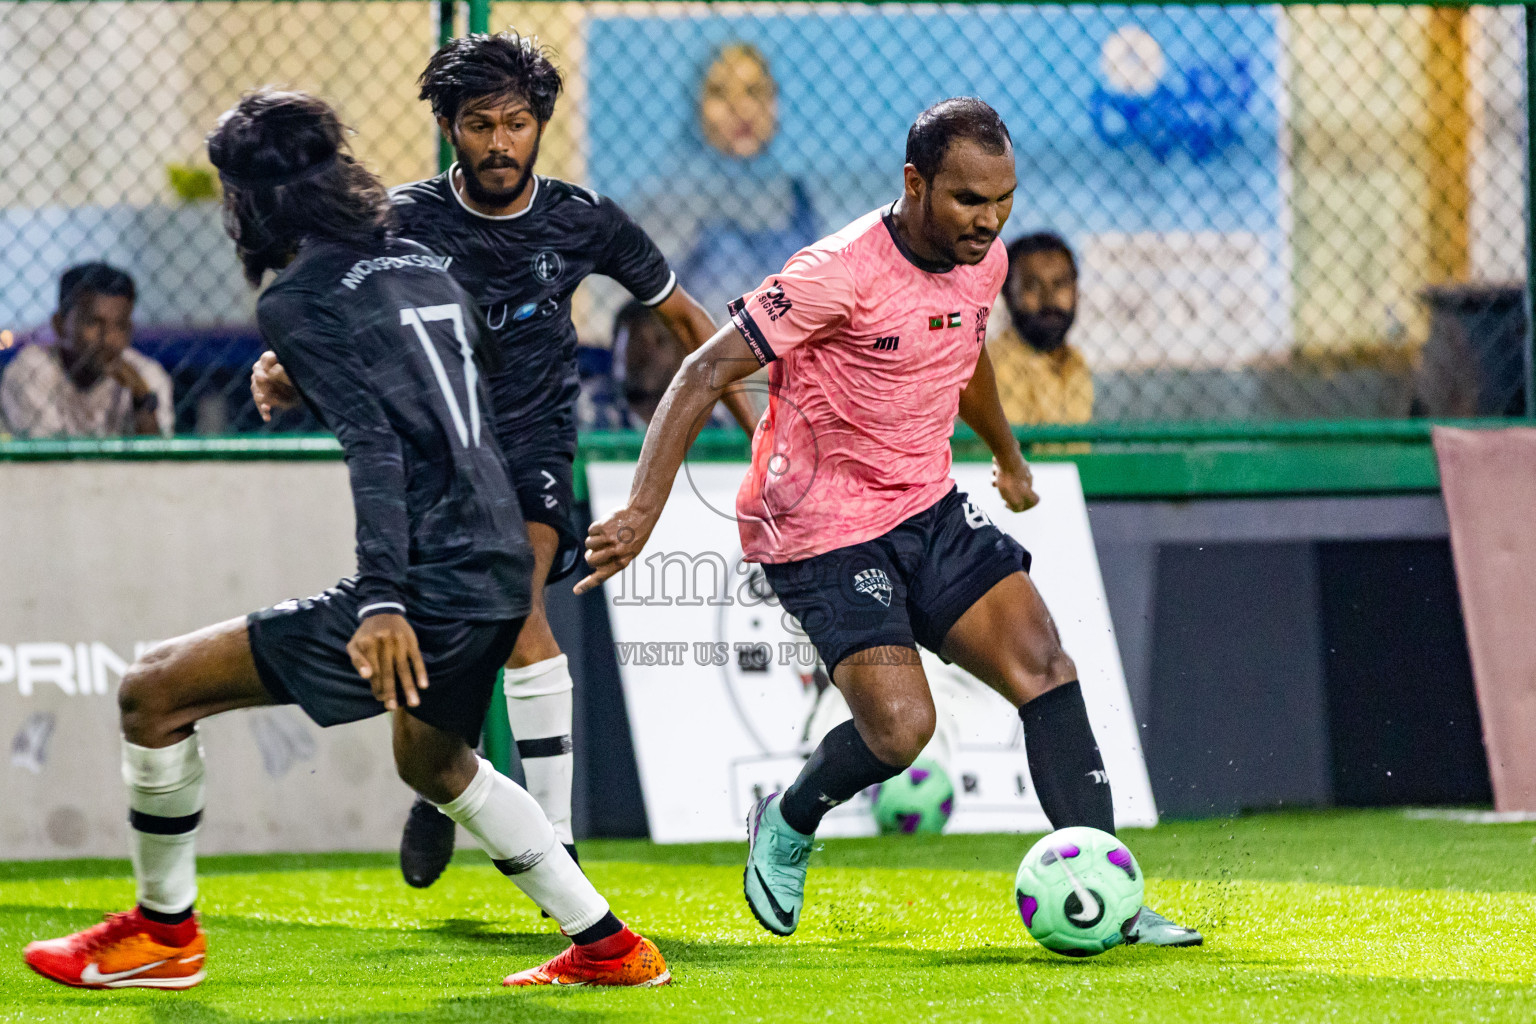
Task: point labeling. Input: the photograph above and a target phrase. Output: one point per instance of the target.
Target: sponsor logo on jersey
(497, 317)
(874, 583)
(548, 266)
(362, 269)
(774, 302)
(887, 344)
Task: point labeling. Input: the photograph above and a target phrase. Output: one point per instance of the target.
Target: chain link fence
(1274, 212)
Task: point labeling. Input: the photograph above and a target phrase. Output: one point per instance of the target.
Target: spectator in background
(90, 382)
(645, 357)
(1041, 378)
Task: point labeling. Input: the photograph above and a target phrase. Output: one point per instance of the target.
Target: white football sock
(539, 709)
(510, 826)
(165, 805)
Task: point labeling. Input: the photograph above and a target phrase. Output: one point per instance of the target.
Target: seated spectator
(1040, 378)
(89, 383)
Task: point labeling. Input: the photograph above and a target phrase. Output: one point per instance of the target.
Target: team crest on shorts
(875, 583)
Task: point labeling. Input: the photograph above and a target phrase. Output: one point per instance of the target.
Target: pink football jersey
(867, 354)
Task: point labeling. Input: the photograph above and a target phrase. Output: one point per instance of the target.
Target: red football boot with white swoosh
(124, 951)
(625, 959)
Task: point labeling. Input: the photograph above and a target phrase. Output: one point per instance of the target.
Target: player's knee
(1046, 665)
(438, 774)
(428, 777)
(899, 740)
(144, 698)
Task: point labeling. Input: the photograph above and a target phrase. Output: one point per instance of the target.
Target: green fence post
(447, 15)
(1530, 209)
(479, 15)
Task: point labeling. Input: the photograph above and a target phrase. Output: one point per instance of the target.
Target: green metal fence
(1277, 212)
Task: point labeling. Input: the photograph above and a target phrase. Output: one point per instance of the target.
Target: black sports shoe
(426, 845)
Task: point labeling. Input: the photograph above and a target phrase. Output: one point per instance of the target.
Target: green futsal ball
(920, 799)
(1078, 891)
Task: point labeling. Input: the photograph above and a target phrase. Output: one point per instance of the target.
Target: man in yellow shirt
(1040, 378)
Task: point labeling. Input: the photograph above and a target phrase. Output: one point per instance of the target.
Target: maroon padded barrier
(1488, 478)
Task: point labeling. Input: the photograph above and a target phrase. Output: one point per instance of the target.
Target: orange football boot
(124, 951)
(641, 965)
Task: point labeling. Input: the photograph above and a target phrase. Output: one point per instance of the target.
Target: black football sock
(1064, 760)
(839, 769)
(159, 917)
(609, 925)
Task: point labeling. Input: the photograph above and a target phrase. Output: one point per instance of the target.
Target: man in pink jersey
(874, 342)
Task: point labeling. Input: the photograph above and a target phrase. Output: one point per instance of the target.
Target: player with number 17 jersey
(388, 352)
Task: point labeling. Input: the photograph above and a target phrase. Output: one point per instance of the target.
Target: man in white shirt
(90, 383)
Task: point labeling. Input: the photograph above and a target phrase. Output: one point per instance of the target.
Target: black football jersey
(522, 270)
(387, 351)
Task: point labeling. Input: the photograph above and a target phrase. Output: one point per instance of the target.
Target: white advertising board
(100, 559)
(721, 687)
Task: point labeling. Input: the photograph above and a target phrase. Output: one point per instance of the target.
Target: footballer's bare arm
(982, 411)
(691, 322)
(615, 540)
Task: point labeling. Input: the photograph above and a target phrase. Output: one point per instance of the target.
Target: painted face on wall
(739, 102)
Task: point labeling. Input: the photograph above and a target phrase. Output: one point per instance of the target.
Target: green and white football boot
(1153, 929)
(777, 857)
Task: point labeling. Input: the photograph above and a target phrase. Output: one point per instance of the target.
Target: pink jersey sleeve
(813, 295)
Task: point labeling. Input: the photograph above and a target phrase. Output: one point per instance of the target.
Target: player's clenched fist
(613, 542)
(270, 386)
(1016, 485)
(385, 652)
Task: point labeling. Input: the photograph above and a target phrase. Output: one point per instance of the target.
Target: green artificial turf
(1346, 916)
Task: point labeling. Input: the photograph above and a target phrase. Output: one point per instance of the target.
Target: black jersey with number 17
(386, 349)
(522, 270)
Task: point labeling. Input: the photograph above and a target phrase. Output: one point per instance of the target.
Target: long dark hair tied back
(287, 174)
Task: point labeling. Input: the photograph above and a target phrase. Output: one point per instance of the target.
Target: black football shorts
(300, 649)
(543, 481)
(906, 587)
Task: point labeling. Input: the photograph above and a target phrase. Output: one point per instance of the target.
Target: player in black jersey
(520, 244)
(386, 350)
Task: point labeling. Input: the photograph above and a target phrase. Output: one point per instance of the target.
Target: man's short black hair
(963, 117)
(93, 279)
(1040, 241)
(479, 65)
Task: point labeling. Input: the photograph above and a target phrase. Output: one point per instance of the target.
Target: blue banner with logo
(1148, 137)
